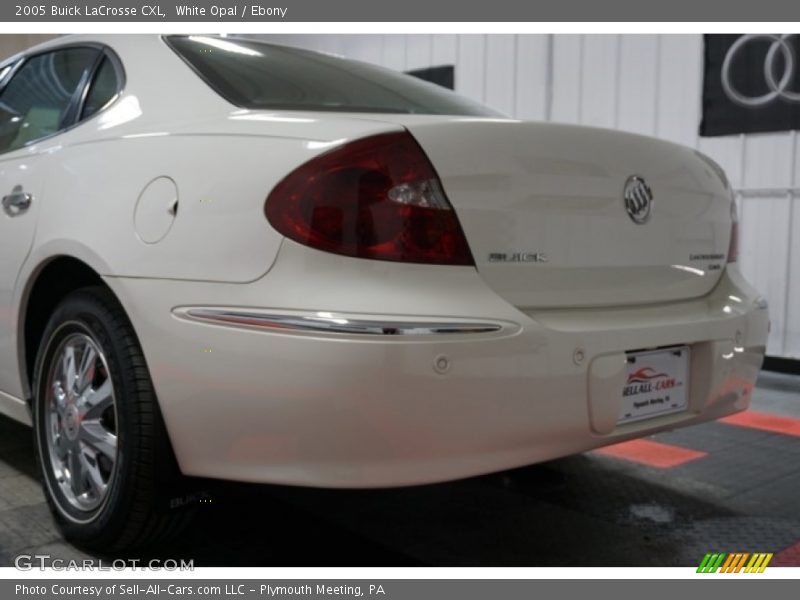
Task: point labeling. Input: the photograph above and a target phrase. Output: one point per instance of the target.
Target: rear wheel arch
(51, 282)
(130, 496)
(165, 502)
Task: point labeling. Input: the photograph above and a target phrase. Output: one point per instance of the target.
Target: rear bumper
(341, 409)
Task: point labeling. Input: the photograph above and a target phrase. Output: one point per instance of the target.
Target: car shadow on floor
(574, 511)
(582, 510)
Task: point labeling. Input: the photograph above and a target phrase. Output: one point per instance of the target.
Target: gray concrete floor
(589, 509)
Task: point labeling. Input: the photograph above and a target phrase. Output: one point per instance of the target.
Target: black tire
(134, 512)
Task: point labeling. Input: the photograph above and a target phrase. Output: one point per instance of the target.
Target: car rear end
(454, 295)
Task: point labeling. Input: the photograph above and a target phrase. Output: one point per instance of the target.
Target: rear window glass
(103, 88)
(256, 75)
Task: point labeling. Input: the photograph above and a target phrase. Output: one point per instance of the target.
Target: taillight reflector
(377, 198)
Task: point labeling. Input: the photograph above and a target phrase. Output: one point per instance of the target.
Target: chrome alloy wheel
(81, 422)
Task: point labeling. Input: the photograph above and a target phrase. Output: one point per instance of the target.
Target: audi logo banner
(751, 83)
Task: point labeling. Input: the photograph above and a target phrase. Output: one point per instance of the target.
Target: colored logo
(644, 375)
(738, 562)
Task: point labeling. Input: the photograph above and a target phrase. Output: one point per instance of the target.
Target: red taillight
(378, 198)
(733, 247)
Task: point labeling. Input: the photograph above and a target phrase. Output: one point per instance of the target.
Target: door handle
(17, 202)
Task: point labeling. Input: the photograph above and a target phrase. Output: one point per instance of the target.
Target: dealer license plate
(657, 384)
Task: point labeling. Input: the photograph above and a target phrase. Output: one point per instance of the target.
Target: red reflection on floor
(652, 454)
(790, 557)
(765, 422)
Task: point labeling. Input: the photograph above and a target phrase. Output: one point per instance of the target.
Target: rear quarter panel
(220, 232)
(168, 123)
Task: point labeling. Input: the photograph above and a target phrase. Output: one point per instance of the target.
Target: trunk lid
(543, 210)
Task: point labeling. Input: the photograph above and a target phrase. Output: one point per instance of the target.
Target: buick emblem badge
(638, 199)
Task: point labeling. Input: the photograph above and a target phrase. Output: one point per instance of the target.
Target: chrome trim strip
(336, 324)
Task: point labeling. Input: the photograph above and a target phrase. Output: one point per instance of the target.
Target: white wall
(648, 84)
(12, 43)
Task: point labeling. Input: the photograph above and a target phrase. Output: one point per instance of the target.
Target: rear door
(40, 99)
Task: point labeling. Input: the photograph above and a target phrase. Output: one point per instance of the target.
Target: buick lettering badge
(518, 257)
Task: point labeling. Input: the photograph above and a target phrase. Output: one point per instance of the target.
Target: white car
(226, 259)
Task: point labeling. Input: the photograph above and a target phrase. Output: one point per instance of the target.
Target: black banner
(443, 76)
(751, 83)
(55, 11)
(732, 587)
